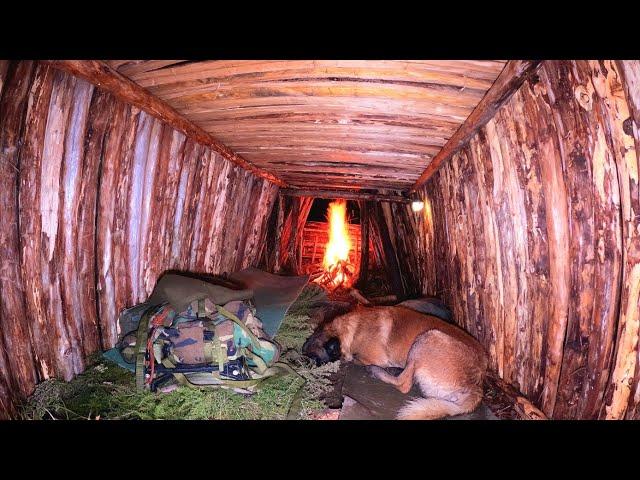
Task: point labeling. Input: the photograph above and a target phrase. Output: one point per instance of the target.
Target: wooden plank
(512, 76)
(347, 195)
(128, 91)
(472, 74)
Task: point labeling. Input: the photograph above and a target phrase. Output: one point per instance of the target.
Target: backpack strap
(213, 378)
(261, 365)
(141, 348)
(237, 321)
(279, 368)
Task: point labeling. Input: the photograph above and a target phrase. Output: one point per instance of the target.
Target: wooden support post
(345, 194)
(364, 249)
(277, 240)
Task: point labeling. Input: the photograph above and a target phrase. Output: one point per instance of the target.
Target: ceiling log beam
(345, 194)
(103, 76)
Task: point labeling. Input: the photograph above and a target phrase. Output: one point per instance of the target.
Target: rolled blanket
(429, 306)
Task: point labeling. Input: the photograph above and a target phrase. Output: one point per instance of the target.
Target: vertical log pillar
(15, 336)
(381, 232)
(607, 81)
(364, 245)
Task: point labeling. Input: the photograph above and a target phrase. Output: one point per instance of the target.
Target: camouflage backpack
(206, 345)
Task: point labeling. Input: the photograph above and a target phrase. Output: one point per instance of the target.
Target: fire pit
(338, 270)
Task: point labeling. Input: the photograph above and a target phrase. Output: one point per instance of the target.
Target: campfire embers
(338, 271)
(339, 275)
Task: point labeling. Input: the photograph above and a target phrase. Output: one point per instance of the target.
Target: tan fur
(447, 363)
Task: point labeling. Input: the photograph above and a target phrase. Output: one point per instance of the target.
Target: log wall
(283, 252)
(97, 200)
(394, 231)
(532, 235)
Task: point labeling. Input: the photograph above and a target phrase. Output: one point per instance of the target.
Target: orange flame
(337, 249)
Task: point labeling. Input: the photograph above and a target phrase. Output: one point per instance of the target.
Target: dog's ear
(332, 348)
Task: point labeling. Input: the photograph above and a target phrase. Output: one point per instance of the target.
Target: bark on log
(522, 406)
(355, 293)
(292, 215)
(510, 79)
(130, 92)
(629, 71)
(533, 222)
(383, 240)
(15, 336)
(31, 218)
(78, 303)
(608, 87)
(573, 137)
(100, 199)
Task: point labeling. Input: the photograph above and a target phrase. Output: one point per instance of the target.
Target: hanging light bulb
(417, 205)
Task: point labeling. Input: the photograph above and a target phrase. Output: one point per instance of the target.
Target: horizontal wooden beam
(103, 76)
(510, 79)
(346, 194)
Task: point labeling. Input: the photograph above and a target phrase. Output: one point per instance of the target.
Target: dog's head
(323, 345)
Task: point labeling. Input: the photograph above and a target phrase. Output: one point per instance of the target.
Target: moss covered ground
(107, 391)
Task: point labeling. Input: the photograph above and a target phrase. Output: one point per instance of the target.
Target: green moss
(295, 328)
(107, 391)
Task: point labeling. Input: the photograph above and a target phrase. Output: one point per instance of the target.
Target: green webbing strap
(214, 379)
(261, 365)
(220, 352)
(209, 352)
(272, 371)
(296, 402)
(265, 372)
(237, 321)
(168, 363)
(141, 348)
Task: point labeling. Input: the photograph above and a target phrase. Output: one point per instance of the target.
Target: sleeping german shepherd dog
(447, 363)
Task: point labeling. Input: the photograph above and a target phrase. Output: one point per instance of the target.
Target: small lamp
(417, 205)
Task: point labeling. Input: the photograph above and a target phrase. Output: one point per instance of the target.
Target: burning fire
(338, 271)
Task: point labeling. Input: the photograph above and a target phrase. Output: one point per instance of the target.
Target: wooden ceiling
(324, 124)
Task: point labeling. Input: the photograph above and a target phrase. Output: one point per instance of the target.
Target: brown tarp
(181, 290)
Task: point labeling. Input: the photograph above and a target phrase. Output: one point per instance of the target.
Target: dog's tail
(433, 407)
(427, 409)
